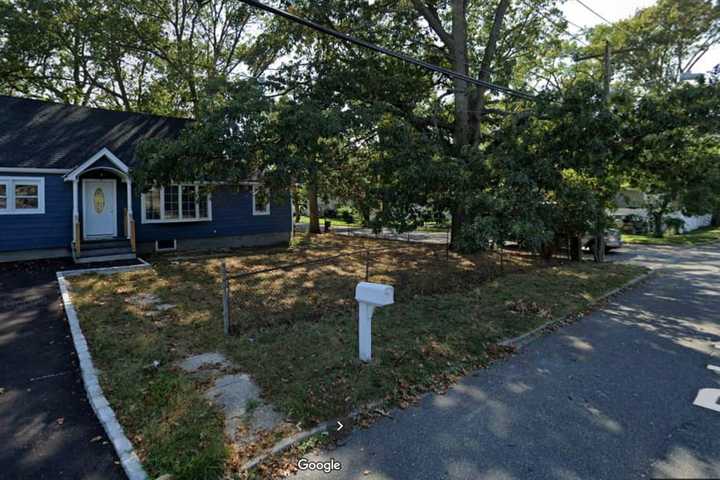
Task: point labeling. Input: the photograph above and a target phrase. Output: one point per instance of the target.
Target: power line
(601, 17)
(594, 12)
(391, 53)
(556, 24)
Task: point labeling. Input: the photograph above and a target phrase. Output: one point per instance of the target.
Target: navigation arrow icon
(340, 426)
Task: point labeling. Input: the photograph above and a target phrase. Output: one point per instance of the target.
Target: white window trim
(33, 170)
(10, 183)
(180, 219)
(255, 211)
(169, 249)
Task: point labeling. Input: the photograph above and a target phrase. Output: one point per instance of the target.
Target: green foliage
(225, 145)
(346, 215)
(156, 57)
(661, 41)
(675, 225)
(675, 141)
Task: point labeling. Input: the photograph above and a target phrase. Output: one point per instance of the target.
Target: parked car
(613, 240)
(632, 223)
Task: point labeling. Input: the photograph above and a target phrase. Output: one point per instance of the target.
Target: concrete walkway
(608, 397)
(47, 428)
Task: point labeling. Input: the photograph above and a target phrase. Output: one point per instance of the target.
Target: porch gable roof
(74, 174)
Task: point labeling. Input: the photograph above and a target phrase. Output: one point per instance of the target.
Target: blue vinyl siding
(53, 229)
(231, 216)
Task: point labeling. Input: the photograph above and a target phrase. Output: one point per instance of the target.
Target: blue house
(66, 190)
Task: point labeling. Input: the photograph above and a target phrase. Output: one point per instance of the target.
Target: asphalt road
(608, 397)
(47, 427)
(436, 238)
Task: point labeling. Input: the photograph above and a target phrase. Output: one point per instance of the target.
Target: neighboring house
(66, 189)
(631, 202)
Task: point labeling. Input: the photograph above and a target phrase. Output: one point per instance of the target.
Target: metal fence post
(447, 244)
(226, 300)
(367, 265)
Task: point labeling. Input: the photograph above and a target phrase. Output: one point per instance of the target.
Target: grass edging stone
(128, 457)
(525, 338)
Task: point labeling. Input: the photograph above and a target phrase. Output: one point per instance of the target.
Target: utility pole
(607, 57)
(599, 243)
(607, 69)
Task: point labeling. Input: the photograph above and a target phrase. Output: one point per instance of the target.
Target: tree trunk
(599, 246)
(456, 223)
(575, 249)
(295, 198)
(599, 241)
(458, 51)
(313, 210)
(657, 217)
(364, 212)
(466, 124)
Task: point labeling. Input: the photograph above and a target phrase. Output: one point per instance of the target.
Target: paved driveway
(47, 428)
(608, 397)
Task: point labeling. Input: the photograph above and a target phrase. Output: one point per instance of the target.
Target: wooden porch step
(105, 251)
(101, 244)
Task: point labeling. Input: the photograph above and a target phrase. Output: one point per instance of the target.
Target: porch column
(76, 217)
(129, 206)
(130, 219)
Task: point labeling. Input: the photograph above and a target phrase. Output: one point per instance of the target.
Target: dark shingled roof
(38, 134)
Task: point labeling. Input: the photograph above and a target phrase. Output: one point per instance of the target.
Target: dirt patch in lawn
(307, 369)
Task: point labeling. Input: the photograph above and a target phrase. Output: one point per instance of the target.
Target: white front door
(99, 217)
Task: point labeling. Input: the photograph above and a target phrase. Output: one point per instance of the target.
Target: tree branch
(430, 14)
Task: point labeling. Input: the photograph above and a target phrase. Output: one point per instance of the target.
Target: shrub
(346, 215)
(676, 225)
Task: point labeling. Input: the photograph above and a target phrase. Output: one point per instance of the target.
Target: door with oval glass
(99, 218)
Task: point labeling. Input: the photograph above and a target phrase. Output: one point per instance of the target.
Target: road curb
(286, 443)
(525, 338)
(100, 405)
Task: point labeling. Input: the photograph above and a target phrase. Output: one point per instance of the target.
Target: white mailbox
(375, 294)
(369, 296)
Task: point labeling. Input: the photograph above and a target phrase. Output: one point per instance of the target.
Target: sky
(614, 10)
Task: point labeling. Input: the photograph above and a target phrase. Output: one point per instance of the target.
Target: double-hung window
(22, 195)
(176, 203)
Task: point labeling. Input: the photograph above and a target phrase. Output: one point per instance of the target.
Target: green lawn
(307, 368)
(699, 236)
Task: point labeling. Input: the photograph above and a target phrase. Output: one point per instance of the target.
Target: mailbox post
(370, 295)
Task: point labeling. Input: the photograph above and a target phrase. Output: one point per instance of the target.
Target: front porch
(103, 221)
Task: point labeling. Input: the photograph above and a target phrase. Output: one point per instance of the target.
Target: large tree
(153, 56)
(496, 41)
(660, 42)
(675, 140)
